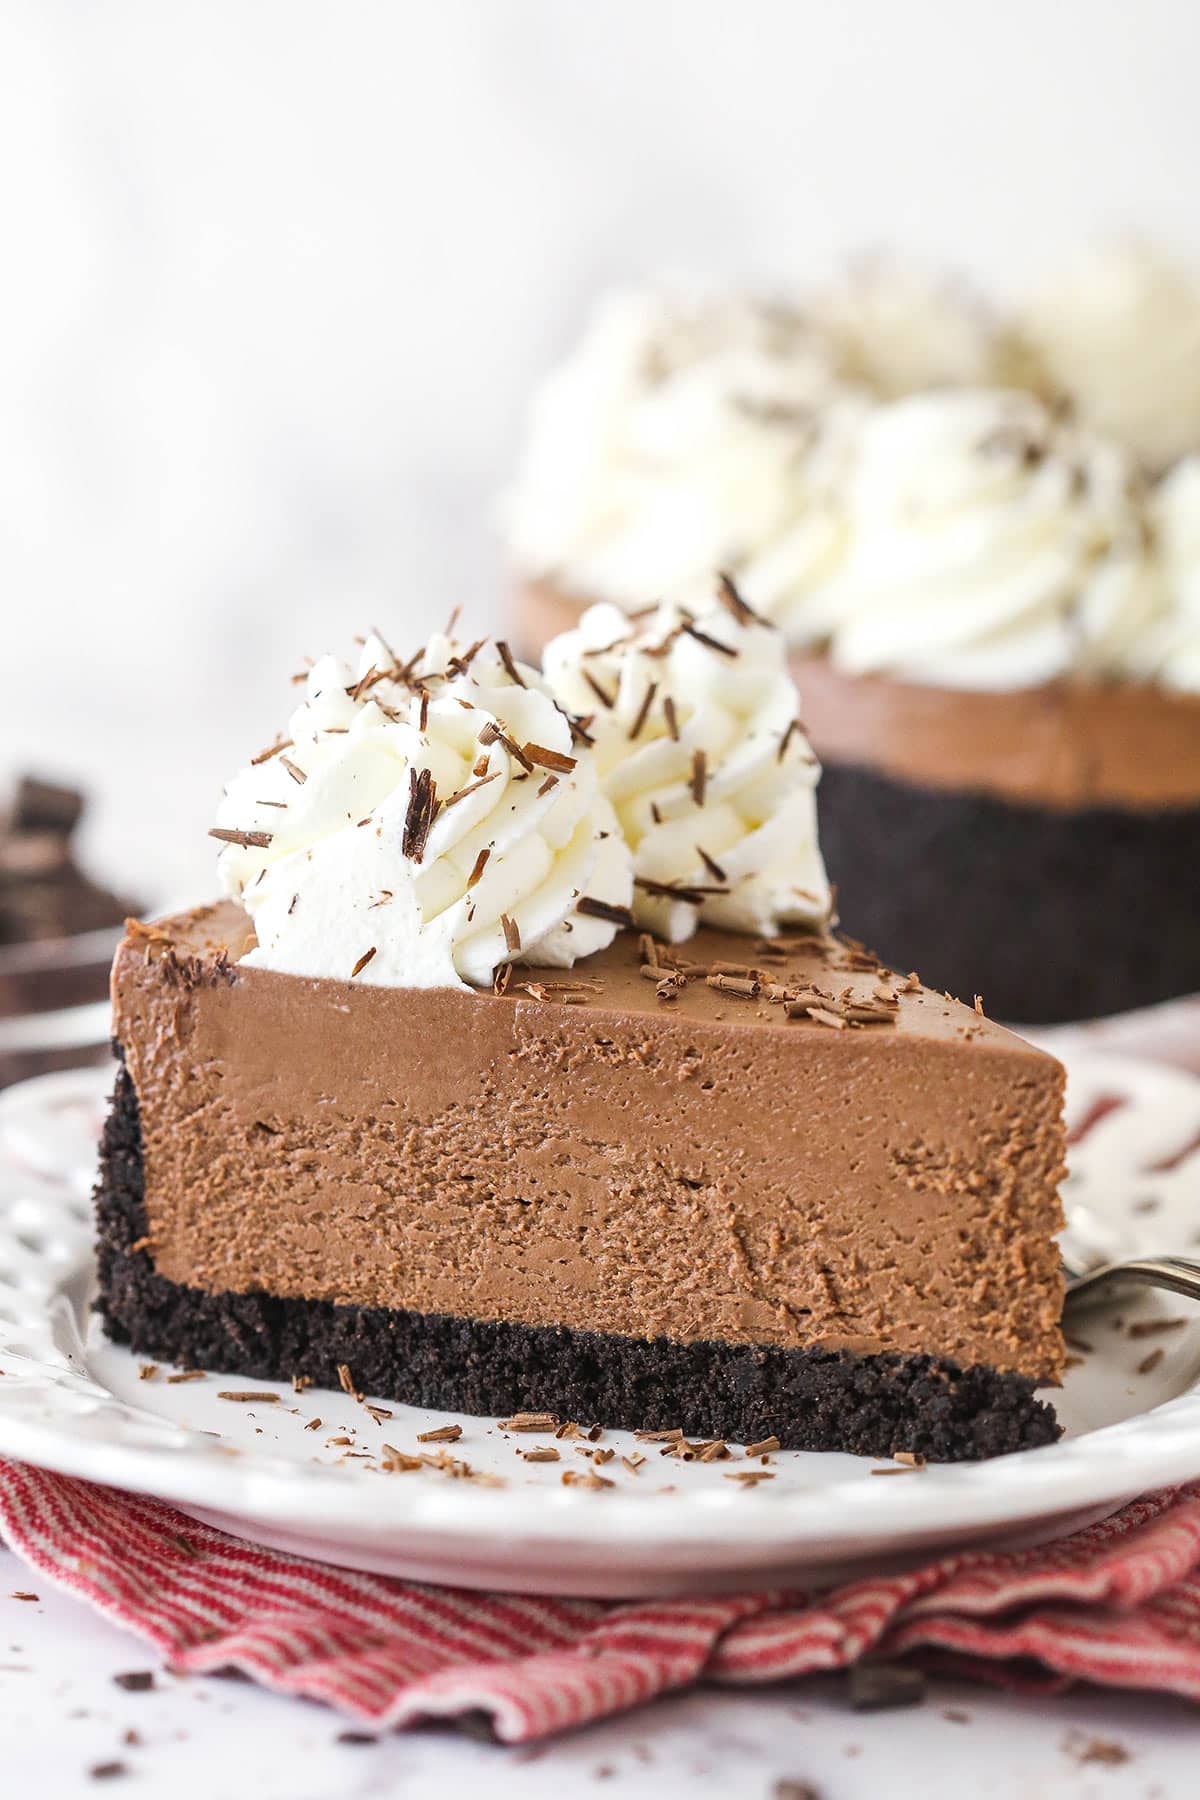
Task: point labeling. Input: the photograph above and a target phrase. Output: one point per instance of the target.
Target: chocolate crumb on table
(875, 1687)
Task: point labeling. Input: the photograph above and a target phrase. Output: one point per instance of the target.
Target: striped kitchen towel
(1118, 1603)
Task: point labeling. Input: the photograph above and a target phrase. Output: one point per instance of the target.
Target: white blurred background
(277, 278)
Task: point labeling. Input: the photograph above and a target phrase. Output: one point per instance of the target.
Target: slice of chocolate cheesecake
(747, 1188)
(419, 1107)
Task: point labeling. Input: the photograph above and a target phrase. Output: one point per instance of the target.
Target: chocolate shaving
(501, 976)
(441, 1434)
(607, 700)
(294, 770)
(669, 716)
(691, 893)
(248, 840)
(604, 909)
(422, 809)
(579, 728)
(714, 868)
(510, 667)
(266, 755)
(512, 934)
(786, 739)
(635, 730)
(710, 643)
(548, 786)
(549, 759)
(458, 665)
(423, 720)
(741, 985)
(362, 962)
(699, 776)
(471, 788)
(733, 603)
(481, 862)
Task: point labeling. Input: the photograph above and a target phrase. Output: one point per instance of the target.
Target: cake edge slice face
(705, 1208)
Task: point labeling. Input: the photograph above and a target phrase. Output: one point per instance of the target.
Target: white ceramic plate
(72, 1402)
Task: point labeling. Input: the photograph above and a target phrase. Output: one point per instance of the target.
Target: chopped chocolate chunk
(135, 1681)
(875, 1687)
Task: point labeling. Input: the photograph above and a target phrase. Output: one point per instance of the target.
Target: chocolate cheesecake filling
(699, 1168)
(861, 1196)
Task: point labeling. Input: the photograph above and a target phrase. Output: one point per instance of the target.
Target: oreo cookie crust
(1050, 914)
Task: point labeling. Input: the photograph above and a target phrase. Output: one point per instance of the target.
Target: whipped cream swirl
(1170, 652)
(899, 328)
(699, 747)
(421, 824)
(991, 548)
(680, 438)
(1118, 333)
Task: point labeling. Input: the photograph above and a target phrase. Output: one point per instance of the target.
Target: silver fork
(1179, 1274)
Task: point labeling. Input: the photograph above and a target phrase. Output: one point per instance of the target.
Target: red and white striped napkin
(1117, 1604)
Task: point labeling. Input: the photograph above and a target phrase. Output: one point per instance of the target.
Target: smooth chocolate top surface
(1064, 745)
(579, 1151)
(833, 974)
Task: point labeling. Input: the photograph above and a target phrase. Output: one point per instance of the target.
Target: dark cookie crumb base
(1049, 915)
(809, 1399)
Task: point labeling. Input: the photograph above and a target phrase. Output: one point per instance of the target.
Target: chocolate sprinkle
(248, 840)
(362, 962)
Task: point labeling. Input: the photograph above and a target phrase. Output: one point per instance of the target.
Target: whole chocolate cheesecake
(993, 612)
(521, 1070)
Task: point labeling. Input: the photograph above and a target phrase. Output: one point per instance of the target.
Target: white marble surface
(278, 276)
(206, 1739)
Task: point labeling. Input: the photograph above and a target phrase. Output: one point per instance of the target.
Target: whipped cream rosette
(699, 747)
(1118, 332)
(422, 823)
(680, 438)
(991, 548)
